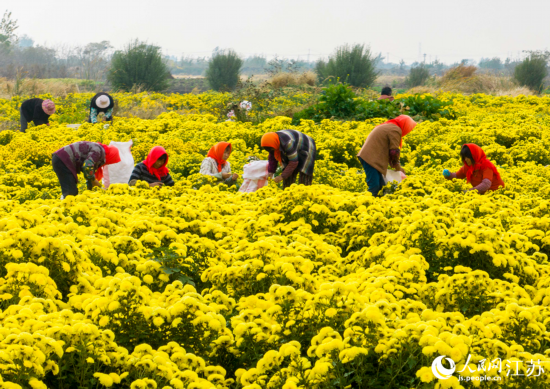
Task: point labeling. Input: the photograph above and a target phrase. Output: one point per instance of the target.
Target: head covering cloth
(217, 151)
(155, 153)
(48, 107)
(405, 122)
(112, 155)
(480, 162)
(271, 139)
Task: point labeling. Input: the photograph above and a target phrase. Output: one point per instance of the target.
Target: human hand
(277, 179)
(225, 176)
(96, 183)
(234, 177)
(446, 173)
(153, 184)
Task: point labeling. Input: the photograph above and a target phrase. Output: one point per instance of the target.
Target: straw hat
(103, 101)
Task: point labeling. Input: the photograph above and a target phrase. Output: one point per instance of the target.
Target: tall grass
(418, 76)
(352, 64)
(466, 80)
(224, 70)
(139, 64)
(284, 79)
(532, 71)
(58, 87)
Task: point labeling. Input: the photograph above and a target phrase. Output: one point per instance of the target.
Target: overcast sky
(449, 30)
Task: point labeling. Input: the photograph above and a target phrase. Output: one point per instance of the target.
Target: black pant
(65, 176)
(24, 123)
(305, 179)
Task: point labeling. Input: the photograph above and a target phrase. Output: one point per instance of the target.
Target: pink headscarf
(49, 107)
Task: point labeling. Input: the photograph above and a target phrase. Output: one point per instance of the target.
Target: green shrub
(339, 101)
(532, 71)
(139, 65)
(352, 64)
(224, 70)
(417, 76)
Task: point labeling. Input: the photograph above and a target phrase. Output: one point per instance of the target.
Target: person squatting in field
(86, 157)
(216, 165)
(383, 148)
(477, 169)
(153, 169)
(386, 94)
(295, 151)
(101, 102)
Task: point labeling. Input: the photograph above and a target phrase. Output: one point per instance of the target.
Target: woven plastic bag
(254, 176)
(394, 175)
(119, 173)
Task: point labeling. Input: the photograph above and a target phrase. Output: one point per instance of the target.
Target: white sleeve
(208, 168)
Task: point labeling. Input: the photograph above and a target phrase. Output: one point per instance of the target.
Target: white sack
(119, 173)
(254, 176)
(393, 175)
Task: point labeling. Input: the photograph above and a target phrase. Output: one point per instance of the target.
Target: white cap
(103, 101)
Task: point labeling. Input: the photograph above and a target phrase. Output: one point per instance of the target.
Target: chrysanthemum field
(199, 286)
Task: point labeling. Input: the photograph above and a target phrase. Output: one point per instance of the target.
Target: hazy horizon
(447, 31)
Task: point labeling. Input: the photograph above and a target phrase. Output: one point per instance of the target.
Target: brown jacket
(376, 150)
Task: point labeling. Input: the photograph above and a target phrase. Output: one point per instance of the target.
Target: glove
(446, 173)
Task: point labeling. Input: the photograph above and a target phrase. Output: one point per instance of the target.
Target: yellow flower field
(199, 286)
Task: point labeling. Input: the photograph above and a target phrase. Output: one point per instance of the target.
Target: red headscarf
(112, 155)
(216, 152)
(271, 139)
(155, 153)
(480, 162)
(405, 123)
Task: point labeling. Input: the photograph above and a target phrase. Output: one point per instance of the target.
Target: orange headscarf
(112, 155)
(271, 139)
(405, 123)
(155, 153)
(480, 162)
(216, 152)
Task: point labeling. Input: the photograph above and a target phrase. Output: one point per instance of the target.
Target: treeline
(253, 65)
(494, 65)
(142, 66)
(88, 62)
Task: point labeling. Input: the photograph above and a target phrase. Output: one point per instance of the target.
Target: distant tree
(224, 70)
(494, 64)
(417, 76)
(532, 71)
(436, 67)
(7, 30)
(25, 41)
(254, 65)
(352, 64)
(93, 59)
(189, 65)
(141, 65)
(401, 69)
(283, 65)
(378, 60)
